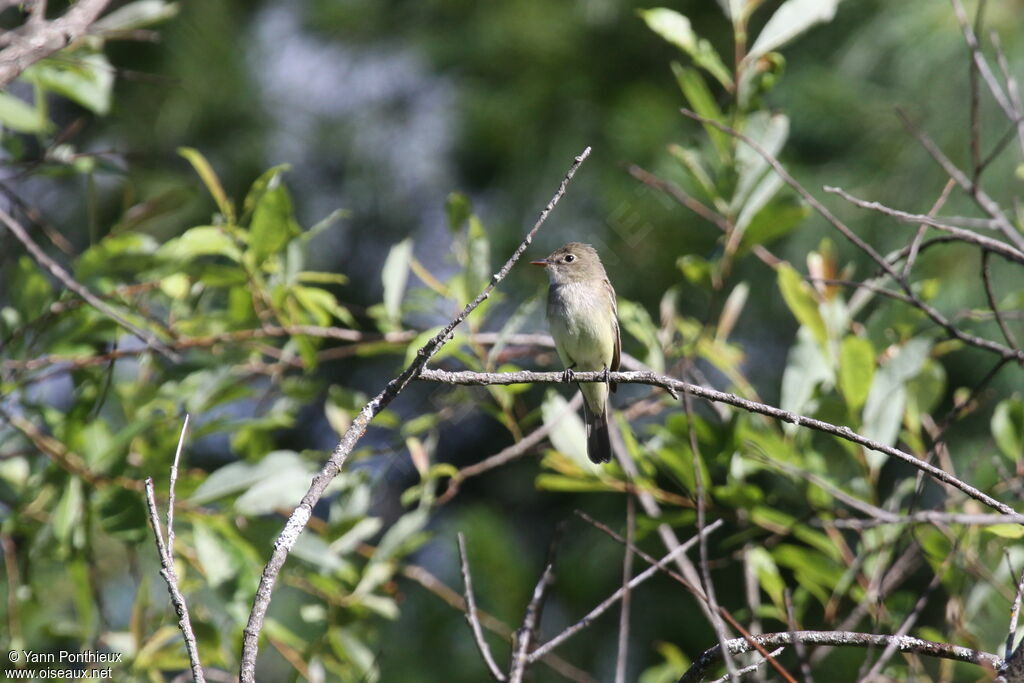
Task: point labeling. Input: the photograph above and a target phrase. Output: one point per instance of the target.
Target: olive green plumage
(584, 323)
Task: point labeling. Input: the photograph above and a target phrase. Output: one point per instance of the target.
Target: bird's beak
(542, 264)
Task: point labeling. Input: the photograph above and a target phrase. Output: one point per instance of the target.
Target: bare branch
(751, 668)
(1014, 614)
(654, 379)
(300, 516)
(987, 204)
(843, 639)
(527, 633)
(987, 243)
(909, 621)
(81, 290)
(39, 39)
(617, 595)
(166, 553)
(627, 574)
(986, 276)
(473, 618)
(424, 578)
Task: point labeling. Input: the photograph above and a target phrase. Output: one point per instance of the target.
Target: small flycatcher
(584, 323)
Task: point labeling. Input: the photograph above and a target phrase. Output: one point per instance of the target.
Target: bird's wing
(617, 354)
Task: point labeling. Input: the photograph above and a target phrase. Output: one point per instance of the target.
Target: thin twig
(801, 651)
(173, 482)
(509, 453)
(43, 259)
(627, 574)
(844, 639)
(654, 379)
(915, 245)
(616, 596)
(705, 568)
(986, 277)
(473, 618)
(750, 668)
(694, 588)
(909, 621)
(424, 578)
(166, 553)
(981, 198)
(300, 516)
(995, 246)
(527, 633)
(1011, 633)
(39, 39)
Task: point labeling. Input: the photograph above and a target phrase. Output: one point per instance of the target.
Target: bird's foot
(568, 374)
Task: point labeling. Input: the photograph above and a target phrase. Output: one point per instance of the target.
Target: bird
(583, 318)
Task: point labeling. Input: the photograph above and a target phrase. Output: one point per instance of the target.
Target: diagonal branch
(473, 618)
(300, 516)
(39, 39)
(43, 259)
(166, 552)
(843, 639)
(654, 379)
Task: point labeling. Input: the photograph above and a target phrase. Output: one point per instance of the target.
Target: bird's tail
(599, 446)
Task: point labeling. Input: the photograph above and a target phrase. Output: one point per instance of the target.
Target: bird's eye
(569, 258)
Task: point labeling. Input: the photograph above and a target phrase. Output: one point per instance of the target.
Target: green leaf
(703, 102)
(272, 482)
(21, 117)
(635, 319)
(122, 514)
(68, 526)
(567, 433)
(768, 574)
(884, 408)
(273, 221)
(1013, 531)
(395, 275)
(478, 259)
(458, 210)
(769, 131)
(676, 29)
(135, 15)
(856, 370)
(806, 368)
(801, 301)
(1008, 428)
(777, 218)
(203, 240)
(791, 19)
(82, 75)
(210, 179)
(217, 564)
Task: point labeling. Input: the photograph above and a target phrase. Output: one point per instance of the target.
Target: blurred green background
(382, 108)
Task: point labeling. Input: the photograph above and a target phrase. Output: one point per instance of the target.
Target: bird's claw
(567, 375)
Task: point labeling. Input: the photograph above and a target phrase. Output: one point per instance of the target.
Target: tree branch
(39, 39)
(654, 379)
(843, 639)
(166, 553)
(300, 516)
(473, 618)
(81, 290)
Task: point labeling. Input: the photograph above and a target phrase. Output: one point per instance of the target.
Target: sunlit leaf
(703, 102)
(394, 275)
(791, 19)
(801, 301)
(19, 116)
(210, 179)
(1008, 428)
(82, 75)
(676, 29)
(856, 370)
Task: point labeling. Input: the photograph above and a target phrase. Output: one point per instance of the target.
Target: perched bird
(584, 323)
